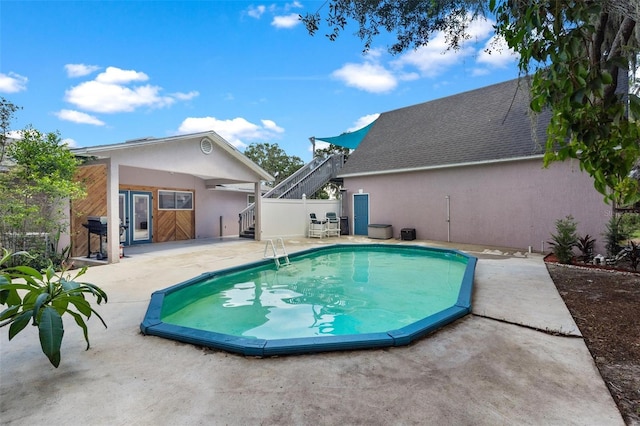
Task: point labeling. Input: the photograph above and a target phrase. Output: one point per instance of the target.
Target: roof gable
(493, 123)
(206, 155)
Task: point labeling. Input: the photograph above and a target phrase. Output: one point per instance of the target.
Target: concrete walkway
(518, 359)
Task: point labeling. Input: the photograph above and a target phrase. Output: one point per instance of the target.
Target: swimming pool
(337, 297)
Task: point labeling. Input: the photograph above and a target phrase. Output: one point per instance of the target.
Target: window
(251, 199)
(175, 200)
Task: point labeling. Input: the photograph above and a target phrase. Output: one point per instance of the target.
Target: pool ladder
(274, 253)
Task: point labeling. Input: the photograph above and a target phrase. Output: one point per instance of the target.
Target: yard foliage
(36, 184)
(274, 160)
(41, 298)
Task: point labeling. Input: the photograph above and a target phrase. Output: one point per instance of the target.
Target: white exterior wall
(506, 204)
(290, 218)
(214, 205)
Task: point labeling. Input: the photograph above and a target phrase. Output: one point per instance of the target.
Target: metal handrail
(307, 180)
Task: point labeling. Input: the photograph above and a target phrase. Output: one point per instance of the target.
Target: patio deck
(518, 359)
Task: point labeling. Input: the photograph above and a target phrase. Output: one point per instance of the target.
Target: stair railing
(306, 180)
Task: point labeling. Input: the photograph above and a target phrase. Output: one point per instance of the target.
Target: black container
(344, 225)
(408, 234)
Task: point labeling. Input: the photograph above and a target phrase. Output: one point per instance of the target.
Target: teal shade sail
(349, 140)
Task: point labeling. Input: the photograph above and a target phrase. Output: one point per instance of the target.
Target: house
(468, 169)
(164, 189)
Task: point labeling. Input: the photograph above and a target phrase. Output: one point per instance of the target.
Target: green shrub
(42, 299)
(614, 235)
(565, 239)
(585, 245)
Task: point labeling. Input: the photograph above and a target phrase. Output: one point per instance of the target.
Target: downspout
(446, 197)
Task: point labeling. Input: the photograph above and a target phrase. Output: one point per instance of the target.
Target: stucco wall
(214, 205)
(508, 204)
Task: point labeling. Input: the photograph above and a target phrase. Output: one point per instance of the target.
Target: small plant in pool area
(42, 298)
(614, 235)
(634, 255)
(585, 245)
(565, 239)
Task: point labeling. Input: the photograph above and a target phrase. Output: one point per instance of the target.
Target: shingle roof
(487, 124)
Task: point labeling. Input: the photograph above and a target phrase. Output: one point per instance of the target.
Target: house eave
(442, 166)
(104, 151)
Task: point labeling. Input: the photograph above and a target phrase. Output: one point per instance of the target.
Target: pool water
(338, 297)
(336, 293)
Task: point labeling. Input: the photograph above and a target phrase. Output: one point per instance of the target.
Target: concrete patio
(518, 359)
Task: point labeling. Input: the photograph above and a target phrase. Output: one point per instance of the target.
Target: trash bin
(408, 234)
(344, 225)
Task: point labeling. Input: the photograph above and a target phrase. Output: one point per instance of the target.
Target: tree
(33, 192)
(7, 110)
(274, 160)
(578, 52)
(331, 150)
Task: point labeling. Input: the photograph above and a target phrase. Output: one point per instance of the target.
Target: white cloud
(478, 72)
(186, 96)
(96, 96)
(113, 75)
(370, 77)
(497, 54)
(71, 143)
(363, 121)
(435, 58)
(80, 70)
(286, 21)
(272, 126)
(78, 117)
(256, 11)
(14, 134)
(238, 131)
(12, 82)
(114, 90)
(293, 5)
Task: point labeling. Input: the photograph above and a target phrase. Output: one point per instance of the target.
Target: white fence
(290, 218)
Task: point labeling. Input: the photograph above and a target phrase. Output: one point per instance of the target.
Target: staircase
(307, 180)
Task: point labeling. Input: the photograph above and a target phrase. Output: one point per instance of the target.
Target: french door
(136, 214)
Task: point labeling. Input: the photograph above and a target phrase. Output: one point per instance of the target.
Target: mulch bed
(605, 304)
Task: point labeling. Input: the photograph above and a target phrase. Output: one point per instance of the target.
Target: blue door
(361, 214)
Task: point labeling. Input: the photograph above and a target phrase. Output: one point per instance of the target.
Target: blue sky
(103, 72)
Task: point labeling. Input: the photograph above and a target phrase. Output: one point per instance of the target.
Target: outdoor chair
(333, 224)
(317, 227)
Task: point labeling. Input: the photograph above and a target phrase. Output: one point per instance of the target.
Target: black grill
(95, 226)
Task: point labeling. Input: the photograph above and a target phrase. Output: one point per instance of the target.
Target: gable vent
(206, 146)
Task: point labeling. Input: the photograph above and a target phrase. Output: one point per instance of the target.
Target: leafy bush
(42, 299)
(614, 235)
(634, 255)
(585, 245)
(565, 239)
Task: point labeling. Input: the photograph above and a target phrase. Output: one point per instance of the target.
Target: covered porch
(158, 190)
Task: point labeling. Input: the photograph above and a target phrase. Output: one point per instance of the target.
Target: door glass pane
(166, 200)
(141, 216)
(184, 200)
